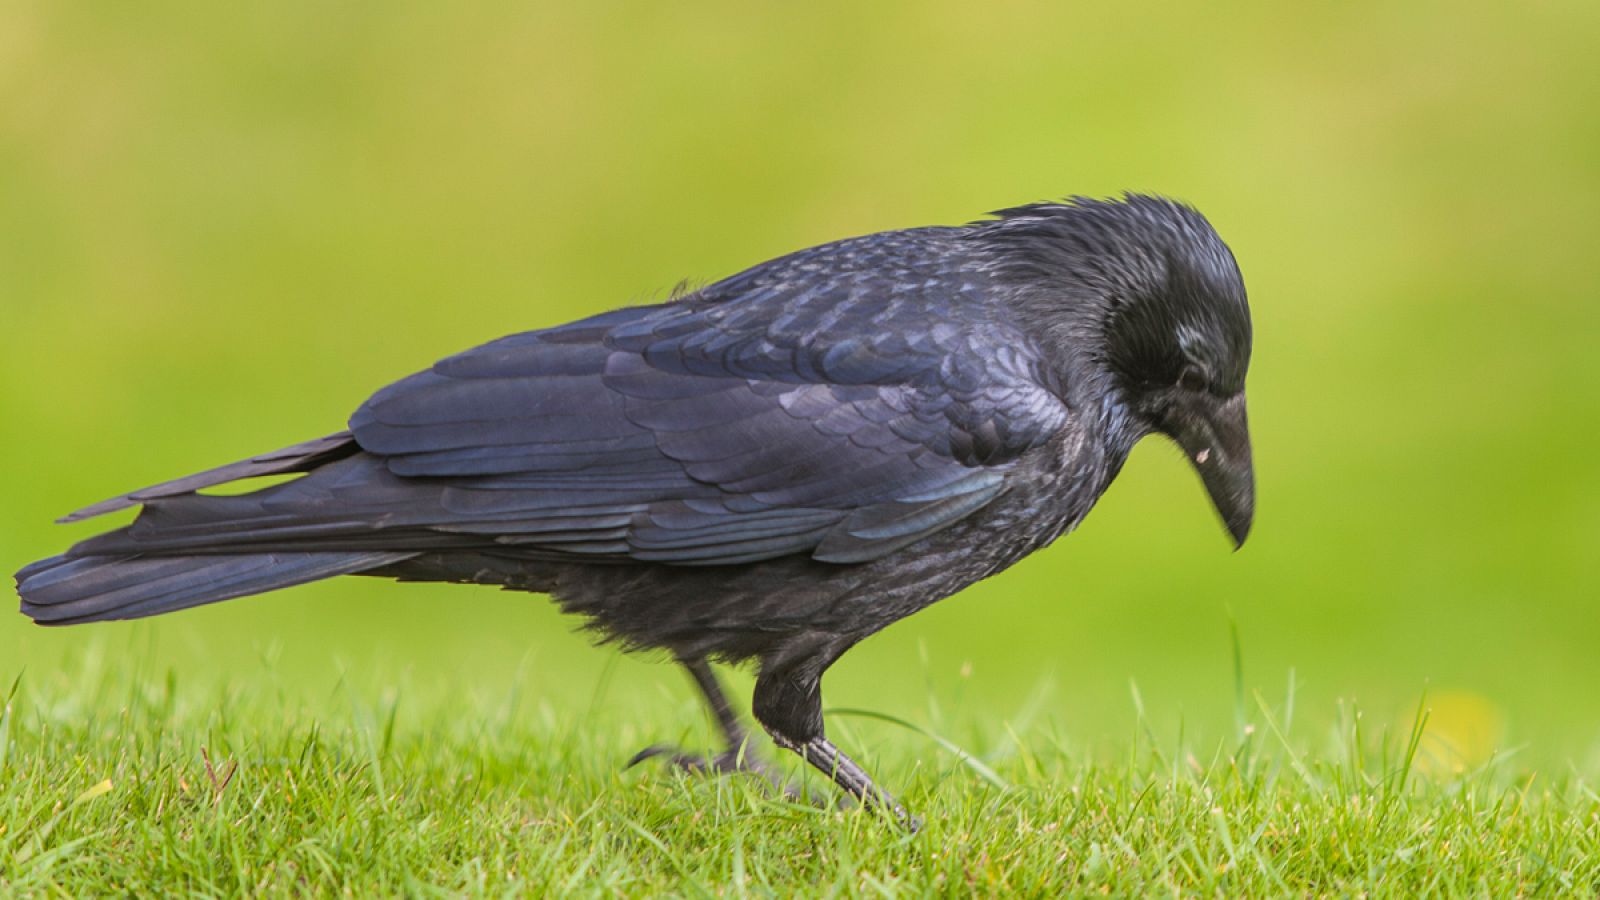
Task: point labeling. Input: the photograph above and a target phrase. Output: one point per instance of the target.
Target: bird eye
(1192, 379)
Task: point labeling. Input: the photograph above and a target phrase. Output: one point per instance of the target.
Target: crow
(765, 470)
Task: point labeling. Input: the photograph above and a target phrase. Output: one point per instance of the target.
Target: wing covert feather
(765, 415)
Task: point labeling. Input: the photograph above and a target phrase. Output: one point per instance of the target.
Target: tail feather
(117, 576)
(302, 457)
(65, 590)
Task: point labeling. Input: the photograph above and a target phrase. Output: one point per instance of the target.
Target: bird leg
(788, 703)
(738, 757)
(848, 774)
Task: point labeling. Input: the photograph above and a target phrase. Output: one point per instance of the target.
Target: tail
(108, 578)
(66, 590)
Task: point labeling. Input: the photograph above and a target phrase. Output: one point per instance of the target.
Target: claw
(729, 762)
(649, 752)
(688, 762)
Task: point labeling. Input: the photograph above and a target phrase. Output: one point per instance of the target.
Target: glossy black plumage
(769, 468)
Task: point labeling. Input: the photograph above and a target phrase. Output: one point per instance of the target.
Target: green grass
(117, 780)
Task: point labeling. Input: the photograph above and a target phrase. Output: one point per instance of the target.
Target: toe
(688, 762)
(726, 763)
(651, 752)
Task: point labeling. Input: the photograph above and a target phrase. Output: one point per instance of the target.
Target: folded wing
(772, 414)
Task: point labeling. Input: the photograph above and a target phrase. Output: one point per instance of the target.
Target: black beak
(1216, 436)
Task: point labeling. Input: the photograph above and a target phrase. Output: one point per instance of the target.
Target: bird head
(1156, 296)
(1183, 372)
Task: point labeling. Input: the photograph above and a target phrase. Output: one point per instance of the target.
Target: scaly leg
(788, 703)
(848, 774)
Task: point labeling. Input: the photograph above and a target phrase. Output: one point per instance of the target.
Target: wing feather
(845, 402)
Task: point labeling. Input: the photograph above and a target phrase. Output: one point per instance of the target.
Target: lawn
(123, 780)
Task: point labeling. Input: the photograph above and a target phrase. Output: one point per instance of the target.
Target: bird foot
(725, 763)
(847, 774)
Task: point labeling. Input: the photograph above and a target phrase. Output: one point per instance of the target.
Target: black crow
(768, 469)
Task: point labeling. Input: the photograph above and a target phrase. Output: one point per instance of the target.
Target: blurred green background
(221, 227)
